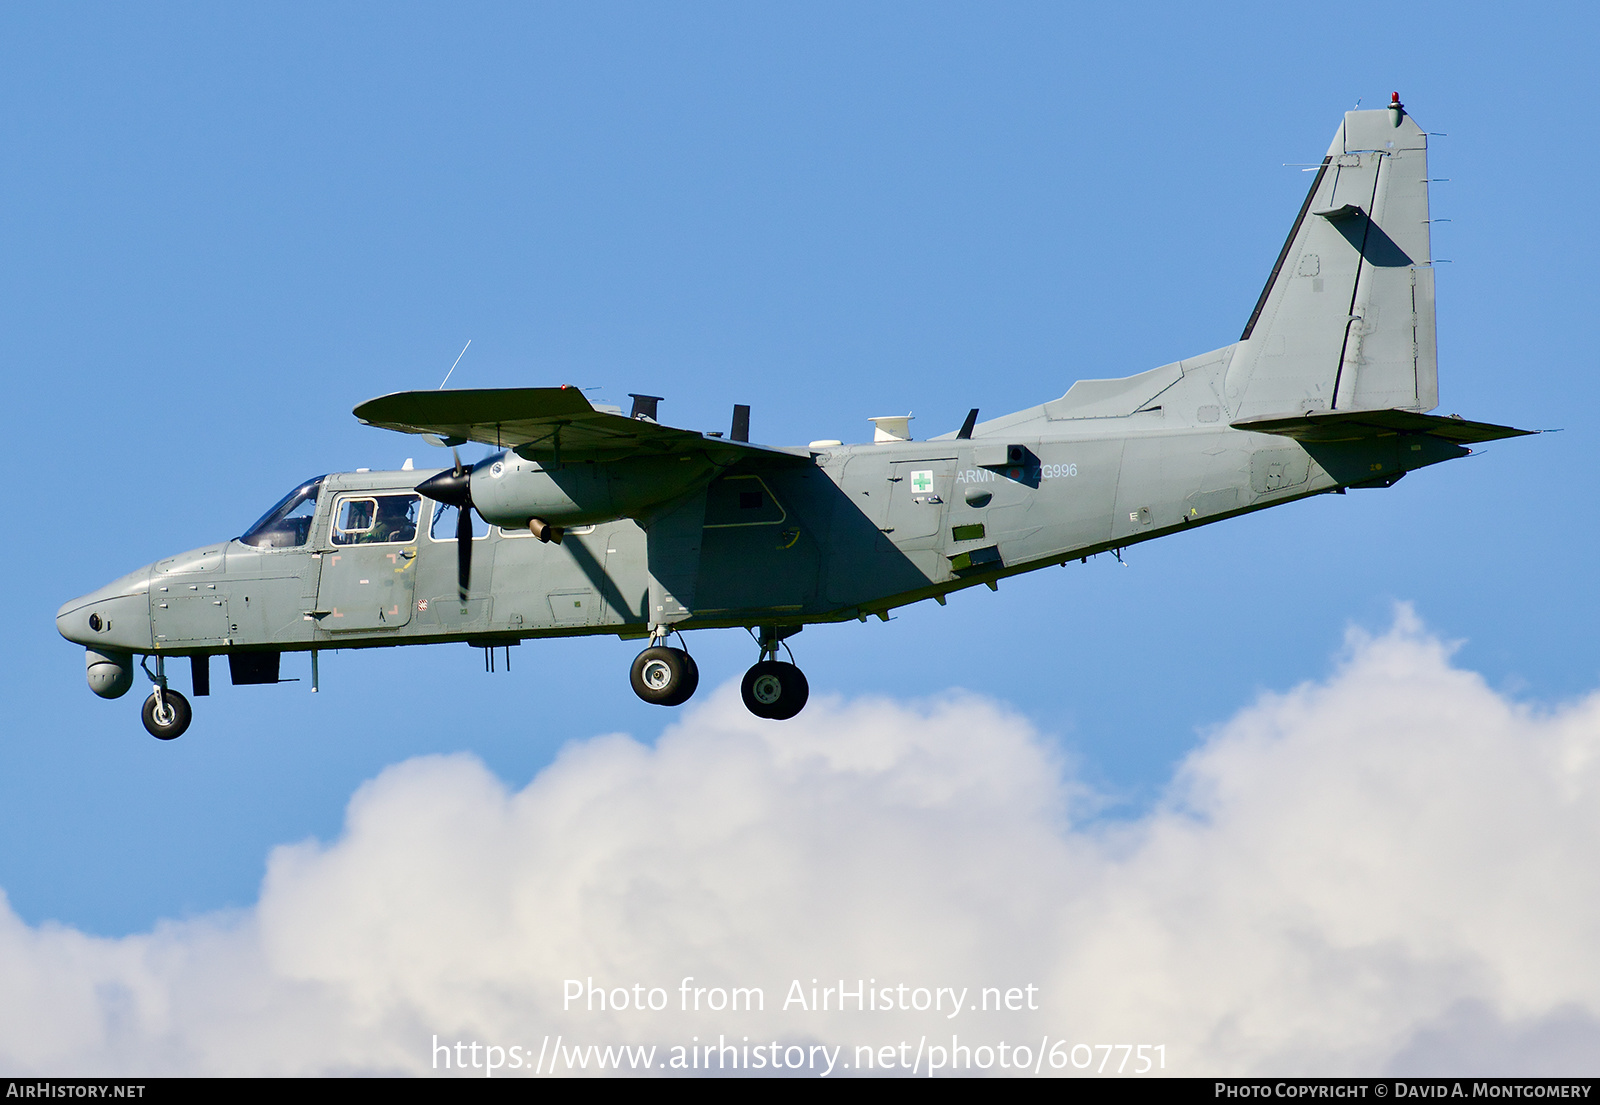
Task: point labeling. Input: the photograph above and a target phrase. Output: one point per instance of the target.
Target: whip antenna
(459, 355)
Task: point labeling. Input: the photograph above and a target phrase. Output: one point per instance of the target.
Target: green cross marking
(922, 481)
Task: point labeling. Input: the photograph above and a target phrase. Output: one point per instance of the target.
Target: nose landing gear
(773, 688)
(166, 713)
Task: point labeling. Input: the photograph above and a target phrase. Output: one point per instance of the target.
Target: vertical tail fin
(1346, 321)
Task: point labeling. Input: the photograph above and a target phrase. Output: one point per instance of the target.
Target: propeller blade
(454, 488)
(463, 550)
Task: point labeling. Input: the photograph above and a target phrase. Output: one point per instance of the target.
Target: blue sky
(227, 226)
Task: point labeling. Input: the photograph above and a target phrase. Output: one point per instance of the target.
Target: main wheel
(170, 723)
(774, 689)
(665, 676)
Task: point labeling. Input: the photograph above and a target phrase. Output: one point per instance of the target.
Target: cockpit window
(376, 519)
(288, 524)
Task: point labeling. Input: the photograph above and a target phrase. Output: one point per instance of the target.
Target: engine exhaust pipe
(545, 532)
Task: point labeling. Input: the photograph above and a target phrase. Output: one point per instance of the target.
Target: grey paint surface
(665, 531)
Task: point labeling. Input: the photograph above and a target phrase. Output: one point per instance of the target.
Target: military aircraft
(585, 520)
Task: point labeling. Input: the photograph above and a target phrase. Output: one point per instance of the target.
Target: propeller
(454, 488)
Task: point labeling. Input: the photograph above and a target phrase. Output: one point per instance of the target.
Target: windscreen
(287, 524)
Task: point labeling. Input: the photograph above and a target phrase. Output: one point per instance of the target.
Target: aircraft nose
(82, 621)
(72, 625)
(115, 616)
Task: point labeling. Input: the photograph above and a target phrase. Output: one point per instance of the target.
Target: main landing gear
(664, 676)
(772, 688)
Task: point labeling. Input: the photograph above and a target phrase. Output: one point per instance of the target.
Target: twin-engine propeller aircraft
(598, 522)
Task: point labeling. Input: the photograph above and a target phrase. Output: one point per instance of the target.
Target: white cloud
(1393, 870)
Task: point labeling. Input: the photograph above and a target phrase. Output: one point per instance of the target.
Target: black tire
(665, 676)
(691, 679)
(173, 725)
(774, 689)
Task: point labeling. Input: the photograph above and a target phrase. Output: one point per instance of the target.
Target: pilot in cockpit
(394, 522)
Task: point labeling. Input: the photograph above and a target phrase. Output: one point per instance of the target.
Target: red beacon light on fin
(1397, 110)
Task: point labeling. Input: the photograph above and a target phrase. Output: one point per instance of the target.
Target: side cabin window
(741, 501)
(443, 527)
(376, 519)
(571, 531)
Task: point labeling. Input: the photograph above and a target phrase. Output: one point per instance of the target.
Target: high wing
(552, 424)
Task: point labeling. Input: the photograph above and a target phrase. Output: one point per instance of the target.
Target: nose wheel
(773, 688)
(166, 714)
(664, 676)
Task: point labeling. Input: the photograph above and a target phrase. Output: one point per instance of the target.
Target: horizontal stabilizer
(550, 424)
(1320, 426)
(1344, 211)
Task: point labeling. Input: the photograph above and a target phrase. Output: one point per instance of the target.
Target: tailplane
(1346, 321)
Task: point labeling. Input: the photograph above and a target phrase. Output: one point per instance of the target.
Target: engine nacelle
(110, 673)
(508, 490)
